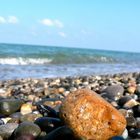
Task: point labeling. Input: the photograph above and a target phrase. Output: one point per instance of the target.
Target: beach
(70, 70)
(124, 96)
(35, 80)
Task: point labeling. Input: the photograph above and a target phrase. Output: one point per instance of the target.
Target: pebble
(48, 124)
(117, 138)
(27, 128)
(90, 116)
(61, 133)
(136, 110)
(124, 100)
(9, 106)
(113, 92)
(125, 134)
(131, 103)
(26, 109)
(131, 121)
(131, 89)
(30, 117)
(134, 133)
(7, 129)
(5, 120)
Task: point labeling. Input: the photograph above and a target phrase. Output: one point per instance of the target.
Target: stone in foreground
(90, 116)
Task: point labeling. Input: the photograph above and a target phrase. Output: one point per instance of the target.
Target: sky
(97, 24)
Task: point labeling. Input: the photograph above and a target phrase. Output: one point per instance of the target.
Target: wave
(60, 59)
(24, 61)
(19, 54)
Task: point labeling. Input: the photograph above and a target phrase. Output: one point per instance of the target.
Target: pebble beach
(29, 107)
(70, 71)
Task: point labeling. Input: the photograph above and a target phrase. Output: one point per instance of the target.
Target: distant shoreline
(114, 75)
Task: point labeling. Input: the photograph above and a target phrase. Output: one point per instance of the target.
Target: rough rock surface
(90, 116)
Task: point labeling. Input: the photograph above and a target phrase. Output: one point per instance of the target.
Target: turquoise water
(21, 61)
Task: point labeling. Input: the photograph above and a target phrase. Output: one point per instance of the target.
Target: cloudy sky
(99, 24)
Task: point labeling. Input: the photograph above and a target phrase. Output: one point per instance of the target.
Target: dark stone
(134, 133)
(138, 90)
(61, 133)
(117, 138)
(48, 124)
(131, 121)
(113, 92)
(9, 106)
(136, 110)
(47, 111)
(123, 100)
(138, 123)
(27, 128)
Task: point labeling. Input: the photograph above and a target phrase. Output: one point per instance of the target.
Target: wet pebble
(113, 92)
(131, 103)
(134, 133)
(117, 138)
(138, 122)
(9, 106)
(7, 129)
(48, 124)
(61, 133)
(47, 111)
(27, 128)
(136, 110)
(131, 89)
(30, 117)
(26, 108)
(123, 100)
(131, 121)
(16, 115)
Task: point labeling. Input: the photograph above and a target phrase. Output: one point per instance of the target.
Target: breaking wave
(55, 60)
(24, 61)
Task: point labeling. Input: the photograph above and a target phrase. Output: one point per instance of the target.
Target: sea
(36, 61)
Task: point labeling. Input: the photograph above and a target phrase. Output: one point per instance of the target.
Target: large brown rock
(90, 116)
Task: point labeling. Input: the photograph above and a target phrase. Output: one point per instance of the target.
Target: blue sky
(98, 24)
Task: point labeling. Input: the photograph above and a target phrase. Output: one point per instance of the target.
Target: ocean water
(34, 61)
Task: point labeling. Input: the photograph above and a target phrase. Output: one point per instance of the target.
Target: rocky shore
(29, 108)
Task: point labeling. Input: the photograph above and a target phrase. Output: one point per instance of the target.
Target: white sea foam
(24, 61)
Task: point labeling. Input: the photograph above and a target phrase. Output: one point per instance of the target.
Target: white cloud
(12, 20)
(2, 20)
(50, 22)
(62, 34)
(47, 22)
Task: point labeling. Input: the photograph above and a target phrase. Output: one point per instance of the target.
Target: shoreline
(64, 85)
(130, 74)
